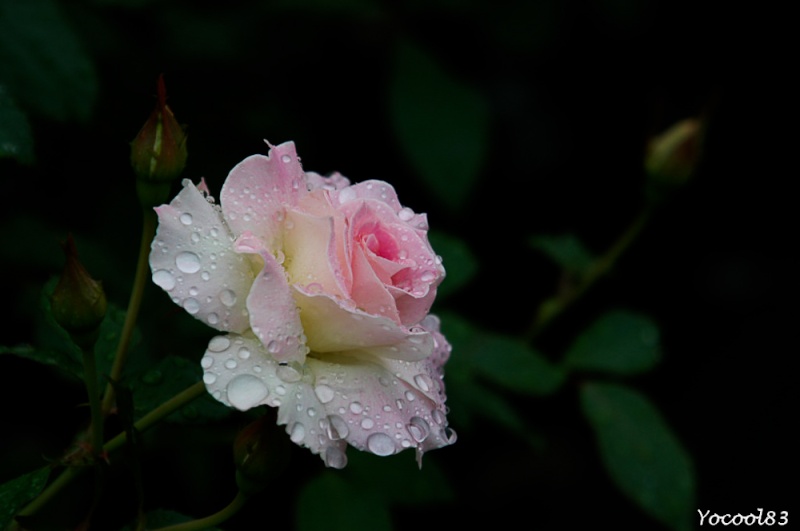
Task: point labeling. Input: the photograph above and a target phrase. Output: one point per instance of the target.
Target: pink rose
(324, 289)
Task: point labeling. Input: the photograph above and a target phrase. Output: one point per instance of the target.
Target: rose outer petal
(382, 407)
(192, 259)
(258, 189)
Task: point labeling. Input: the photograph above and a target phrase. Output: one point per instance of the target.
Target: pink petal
(273, 313)
(336, 181)
(192, 259)
(368, 291)
(380, 406)
(257, 190)
(331, 326)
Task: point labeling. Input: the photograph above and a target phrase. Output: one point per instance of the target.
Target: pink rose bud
(321, 290)
(158, 153)
(78, 302)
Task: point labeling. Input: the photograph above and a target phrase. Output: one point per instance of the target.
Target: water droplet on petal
(324, 393)
(219, 344)
(230, 363)
(206, 362)
(164, 279)
(423, 381)
(380, 444)
(288, 373)
(273, 347)
(410, 396)
(213, 318)
(427, 276)
(209, 378)
(286, 159)
(186, 218)
(246, 391)
(405, 214)
(335, 457)
(356, 407)
(439, 417)
(191, 305)
(312, 412)
(297, 432)
(337, 428)
(367, 423)
(188, 262)
(227, 297)
(418, 429)
(244, 353)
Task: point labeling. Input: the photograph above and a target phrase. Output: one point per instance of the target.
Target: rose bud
(78, 301)
(158, 153)
(672, 156)
(258, 455)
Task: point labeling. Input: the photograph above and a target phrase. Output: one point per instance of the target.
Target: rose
(324, 289)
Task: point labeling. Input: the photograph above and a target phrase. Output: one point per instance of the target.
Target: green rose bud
(158, 153)
(78, 302)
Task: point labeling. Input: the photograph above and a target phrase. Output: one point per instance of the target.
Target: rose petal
(312, 254)
(192, 259)
(257, 190)
(382, 407)
(336, 181)
(273, 313)
(332, 327)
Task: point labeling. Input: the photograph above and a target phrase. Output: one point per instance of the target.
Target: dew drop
(186, 218)
(273, 347)
(191, 305)
(418, 429)
(405, 214)
(205, 275)
(188, 262)
(209, 378)
(206, 362)
(367, 423)
(439, 417)
(297, 433)
(410, 396)
(324, 393)
(164, 279)
(213, 318)
(311, 412)
(244, 353)
(227, 297)
(246, 391)
(427, 276)
(288, 374)
(230, 363)
(195, 237)
(356, 407)
(380, 444)
(337, 428)
(335, 457)
(286, 159)
(423, 382)
(219, 344)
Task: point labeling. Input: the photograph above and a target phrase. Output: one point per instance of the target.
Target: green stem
(66, 477)
(139, 282)
(90, 375)
(210, 521)
(555, 306)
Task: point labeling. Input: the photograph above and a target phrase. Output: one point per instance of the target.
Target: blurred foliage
(16, 493)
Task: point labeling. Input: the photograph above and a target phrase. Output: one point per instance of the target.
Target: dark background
(575, 89)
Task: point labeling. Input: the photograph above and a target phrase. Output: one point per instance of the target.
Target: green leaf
(16, 140)
(42, 63)
(458, 260)
(504, 360)
(619, 342)
(640, 452)
(16, 493)
(441, 123)
(410, 485)
(566, 250)
(331, 503)
(169, 377)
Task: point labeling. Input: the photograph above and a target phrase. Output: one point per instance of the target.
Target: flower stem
(212, 520)
(90, 376)
(162, 411)
(139, 282)
(558, 304)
